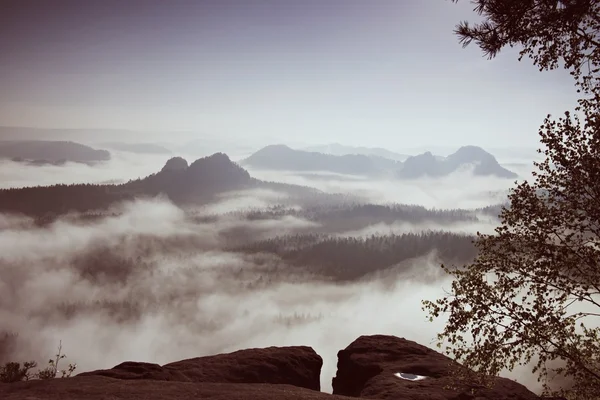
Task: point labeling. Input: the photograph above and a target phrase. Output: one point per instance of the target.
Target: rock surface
(368, 368)
(372, 367)
(104, 388)
(297, 366)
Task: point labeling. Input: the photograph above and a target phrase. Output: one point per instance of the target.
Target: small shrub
(15, 372)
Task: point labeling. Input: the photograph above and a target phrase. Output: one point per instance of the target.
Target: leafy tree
(532, 295)
(552, 33)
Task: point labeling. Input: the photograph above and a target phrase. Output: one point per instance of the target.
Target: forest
(345, 259)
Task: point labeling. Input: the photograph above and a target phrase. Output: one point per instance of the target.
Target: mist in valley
(430, 192)
(174, 294)
(150, 281)
(120, 168)
(194, 178)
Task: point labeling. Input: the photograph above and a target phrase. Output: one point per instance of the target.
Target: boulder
(388, 367)
(297, 366)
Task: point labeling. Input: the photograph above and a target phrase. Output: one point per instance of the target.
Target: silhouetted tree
(552, 33)
(533, 292)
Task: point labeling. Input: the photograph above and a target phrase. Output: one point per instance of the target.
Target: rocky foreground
(373, 367)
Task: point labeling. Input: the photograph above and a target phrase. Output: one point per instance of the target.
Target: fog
(445, 192)
(183, 302)
(174, 293)
(149, 281)
(243, 199)
(485, 225)
(458, 190)
(121, 168)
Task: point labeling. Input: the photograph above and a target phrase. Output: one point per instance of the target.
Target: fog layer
(170, 301)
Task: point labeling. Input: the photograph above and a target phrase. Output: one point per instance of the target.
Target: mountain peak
(217, 160)
(275, 148)
(472, 153)
(218, 167)
(282, 157)
(176, 164)
(485, 163)
(427, 164)
(203, 177)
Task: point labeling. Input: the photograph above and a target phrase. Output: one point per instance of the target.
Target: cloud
(458, 190)
(484, 225)
(151, 282)
(179, 295)
(121, 168)
(243, 200)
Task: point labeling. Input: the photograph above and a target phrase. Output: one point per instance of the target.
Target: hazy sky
(364, 72)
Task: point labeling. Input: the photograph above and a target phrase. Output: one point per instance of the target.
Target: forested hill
(195, 184)
(200, 181)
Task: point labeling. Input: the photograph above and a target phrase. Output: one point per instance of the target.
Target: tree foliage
(552, 33)
(532, 295)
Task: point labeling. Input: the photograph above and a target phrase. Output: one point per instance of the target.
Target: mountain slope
(199, 182)
(485, 163)
(281, 157)
(202, 179)
(481, 162)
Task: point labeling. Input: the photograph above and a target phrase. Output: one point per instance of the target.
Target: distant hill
(198, 183)
(481, 162)
(41, 152)
(138, 148)
(281, 157)
(338, 149)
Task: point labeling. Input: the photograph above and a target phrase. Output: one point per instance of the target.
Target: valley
(209, 249)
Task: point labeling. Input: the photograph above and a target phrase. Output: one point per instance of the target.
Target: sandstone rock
(388, 367)
(297, 366)
(104, 388)
(372, 367)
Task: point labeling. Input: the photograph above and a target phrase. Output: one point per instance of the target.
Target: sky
(386, 73)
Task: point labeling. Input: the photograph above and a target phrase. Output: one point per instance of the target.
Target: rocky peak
(175, 164)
